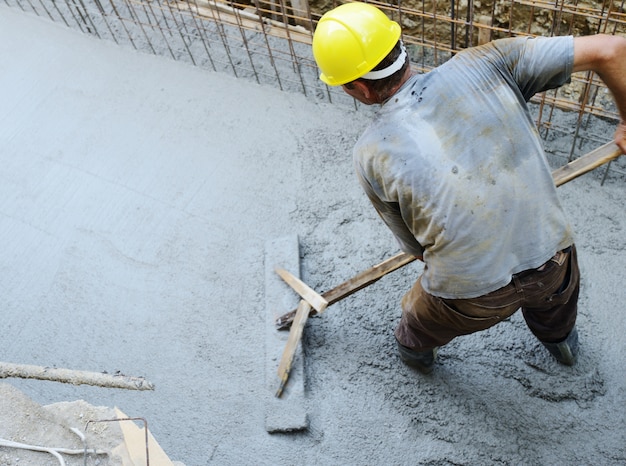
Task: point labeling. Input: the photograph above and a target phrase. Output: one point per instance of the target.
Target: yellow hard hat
(351, 40)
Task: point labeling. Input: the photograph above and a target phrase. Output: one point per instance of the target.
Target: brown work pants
(548, 297)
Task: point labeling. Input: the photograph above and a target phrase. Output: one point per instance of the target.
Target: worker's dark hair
(383, 86)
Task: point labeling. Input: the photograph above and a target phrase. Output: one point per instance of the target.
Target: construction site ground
(138, 200)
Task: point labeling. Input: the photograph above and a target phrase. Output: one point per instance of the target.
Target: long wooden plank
(562, 175)
(221, 12)
(586, 163)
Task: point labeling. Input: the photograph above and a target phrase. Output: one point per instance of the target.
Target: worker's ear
(361, 91)
(365, 90)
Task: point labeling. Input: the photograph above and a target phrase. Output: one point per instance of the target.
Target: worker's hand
(620, 136)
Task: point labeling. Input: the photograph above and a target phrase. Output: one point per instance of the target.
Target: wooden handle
(355, 284)
(586, 163)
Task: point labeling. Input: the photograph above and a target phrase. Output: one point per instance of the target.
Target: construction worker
(454, 165)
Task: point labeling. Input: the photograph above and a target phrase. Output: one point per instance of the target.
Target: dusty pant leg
(551, 297)
(428, 321)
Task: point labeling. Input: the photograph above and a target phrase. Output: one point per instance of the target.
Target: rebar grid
(269, 41)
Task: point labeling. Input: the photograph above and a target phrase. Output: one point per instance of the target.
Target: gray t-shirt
(454, 165)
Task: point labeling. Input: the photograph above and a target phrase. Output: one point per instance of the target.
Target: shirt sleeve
(534, 64)
(390, 213)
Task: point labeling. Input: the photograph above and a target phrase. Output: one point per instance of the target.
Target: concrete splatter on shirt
(454, 165)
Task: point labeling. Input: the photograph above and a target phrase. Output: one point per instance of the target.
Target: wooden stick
(562, 175)
(73, 377)
(295, 335)
(586, 163)
(310, 300)
(308, 294)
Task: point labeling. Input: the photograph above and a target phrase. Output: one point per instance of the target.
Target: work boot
(423, 361)
(565, 351)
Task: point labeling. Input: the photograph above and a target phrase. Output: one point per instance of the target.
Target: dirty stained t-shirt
(454, 165)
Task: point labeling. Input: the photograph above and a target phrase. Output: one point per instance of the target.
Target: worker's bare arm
(606, 56)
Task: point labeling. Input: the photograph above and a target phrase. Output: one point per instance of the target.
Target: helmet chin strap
(391, 69)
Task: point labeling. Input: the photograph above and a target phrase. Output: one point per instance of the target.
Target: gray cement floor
(137, 199)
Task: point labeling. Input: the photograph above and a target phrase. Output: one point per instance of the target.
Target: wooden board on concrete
(289, 412)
